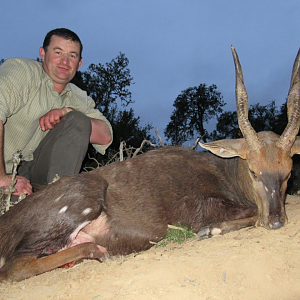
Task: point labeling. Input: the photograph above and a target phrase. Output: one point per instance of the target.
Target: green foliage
(107, 83)
(127, 128)
(227, 127)
(193, 107)
(262, 118)
(281, 120)
(176, 235)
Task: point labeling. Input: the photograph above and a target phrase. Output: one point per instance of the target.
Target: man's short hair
(63, 33)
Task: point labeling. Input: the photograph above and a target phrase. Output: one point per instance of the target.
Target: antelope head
(269, 156)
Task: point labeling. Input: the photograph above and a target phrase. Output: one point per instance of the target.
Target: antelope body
(125, 206)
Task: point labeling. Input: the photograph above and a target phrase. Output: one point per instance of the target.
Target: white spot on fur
(87, 211)
(63, 210)
(2, 261)
(57, 199)
(216, 231)
(260, 172)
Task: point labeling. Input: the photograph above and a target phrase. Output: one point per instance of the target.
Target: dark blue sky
(171, 45)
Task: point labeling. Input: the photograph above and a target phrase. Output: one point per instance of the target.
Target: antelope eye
(253, 174)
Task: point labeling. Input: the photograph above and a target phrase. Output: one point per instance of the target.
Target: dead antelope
(125, 206)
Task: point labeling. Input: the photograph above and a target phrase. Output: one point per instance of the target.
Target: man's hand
(53, 117)
(22, 184)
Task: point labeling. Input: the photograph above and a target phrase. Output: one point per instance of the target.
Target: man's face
(61, 61)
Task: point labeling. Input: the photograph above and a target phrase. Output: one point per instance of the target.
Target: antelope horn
(288, 137)
(242, 106)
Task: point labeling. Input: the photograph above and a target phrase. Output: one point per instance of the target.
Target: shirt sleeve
(88, 108)
(96, 114)
(12, 84)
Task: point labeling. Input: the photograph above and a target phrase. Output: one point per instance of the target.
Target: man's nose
(65, 58)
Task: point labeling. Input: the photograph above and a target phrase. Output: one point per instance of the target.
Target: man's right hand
(21, 186)
(53, 117)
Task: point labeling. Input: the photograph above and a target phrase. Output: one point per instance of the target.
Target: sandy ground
(252, 263)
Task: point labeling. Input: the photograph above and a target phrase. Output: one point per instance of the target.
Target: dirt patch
(252, 263)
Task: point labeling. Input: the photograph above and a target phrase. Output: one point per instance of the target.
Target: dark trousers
(61, 152)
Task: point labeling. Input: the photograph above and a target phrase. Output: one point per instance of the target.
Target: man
(49, 119)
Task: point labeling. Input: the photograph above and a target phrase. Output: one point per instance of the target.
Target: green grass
(176, 234)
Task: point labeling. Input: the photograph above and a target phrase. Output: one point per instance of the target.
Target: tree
(193, 107)
(108, 83)
(226, 127)
(127, 128)
(281, 120)
(262, 118)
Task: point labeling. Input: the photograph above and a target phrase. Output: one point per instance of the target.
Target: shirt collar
(46, 79)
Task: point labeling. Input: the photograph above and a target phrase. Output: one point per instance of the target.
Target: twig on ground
(160, 140)
(10, 189)
(178, 228)
(122, 145)
(141, 147)
(196, 144)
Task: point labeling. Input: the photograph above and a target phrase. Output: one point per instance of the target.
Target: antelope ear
(296, 147)
(227, 148)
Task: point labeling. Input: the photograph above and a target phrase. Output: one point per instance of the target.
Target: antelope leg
(225, 227)
(25, 265)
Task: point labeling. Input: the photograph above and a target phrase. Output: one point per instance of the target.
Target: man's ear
(42, 53)
(79, 64)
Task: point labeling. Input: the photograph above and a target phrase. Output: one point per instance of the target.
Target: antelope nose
(277, 225)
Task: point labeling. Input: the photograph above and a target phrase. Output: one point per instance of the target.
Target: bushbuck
(127, 206)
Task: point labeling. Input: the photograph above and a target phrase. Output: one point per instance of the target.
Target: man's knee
(62, 150)
(79, 122)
